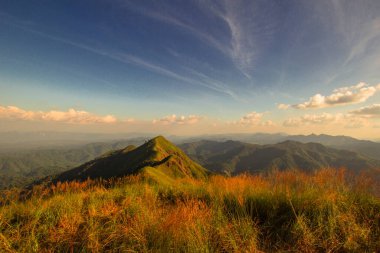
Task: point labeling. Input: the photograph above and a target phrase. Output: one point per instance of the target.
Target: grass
(327, 211)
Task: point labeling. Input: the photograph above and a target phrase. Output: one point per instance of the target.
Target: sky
(191, 67)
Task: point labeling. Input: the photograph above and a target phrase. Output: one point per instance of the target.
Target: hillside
(158, 158)
(22, 167)
(364, 147)
(47, 140)
(288, 211)
(233, 157)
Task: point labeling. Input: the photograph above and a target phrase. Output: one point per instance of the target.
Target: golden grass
(327, 211)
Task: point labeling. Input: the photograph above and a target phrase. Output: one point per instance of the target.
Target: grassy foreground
(284, 211)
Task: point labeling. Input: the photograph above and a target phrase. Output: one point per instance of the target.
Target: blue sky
(186, 67)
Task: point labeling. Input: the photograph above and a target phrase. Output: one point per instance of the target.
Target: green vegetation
(234, 157)
(326, 211)
(155, 156)
(154, 198)
(20, 168)
(364, 147)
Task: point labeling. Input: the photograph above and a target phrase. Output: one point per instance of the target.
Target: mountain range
(364, 147)
(35, 141)
(217, 153)
(22, 167)
(161, 160)
(234, 157)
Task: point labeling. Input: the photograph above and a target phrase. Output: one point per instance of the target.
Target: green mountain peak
(157, 157)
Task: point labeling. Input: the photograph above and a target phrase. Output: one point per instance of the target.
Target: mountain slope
(156, 157)
(365, 147)
(233, 157)
(21, 168)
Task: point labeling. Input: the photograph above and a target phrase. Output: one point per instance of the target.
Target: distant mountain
(255, 138)
(158, 158)
(368, 148)
(365, 147)
(18, 168)
(21, 141)
(233, 157)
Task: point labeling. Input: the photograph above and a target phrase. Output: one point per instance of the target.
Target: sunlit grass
(283, 211)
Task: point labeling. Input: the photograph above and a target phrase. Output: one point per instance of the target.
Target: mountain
(26, 141)
(233, 157)
(22, 167)
(18, 168)
(364, 147)
(255, 138)
(157, 158)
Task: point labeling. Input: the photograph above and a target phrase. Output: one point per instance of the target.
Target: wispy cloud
(242, 51)
(204, 81)
(355, 27)
(135, 60)
(250, 28)
(178, 120)
(246, 36)
(213, 83)
(371, 32)
(342, 96)
(171, 18)
(69, 116)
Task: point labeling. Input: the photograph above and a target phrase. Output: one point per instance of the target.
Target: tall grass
(327, 211)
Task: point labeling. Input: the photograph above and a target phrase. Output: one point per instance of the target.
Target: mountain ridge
(21, 168)
(364, 147)
(157, 155)
(244, 157)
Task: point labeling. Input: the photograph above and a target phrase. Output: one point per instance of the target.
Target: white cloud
(323, 119)
(368, 111)
(253, 119)
(283, 106)
(179, 120)
(342, 96)
(70, 116)
(268, 123)
(312, 119)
